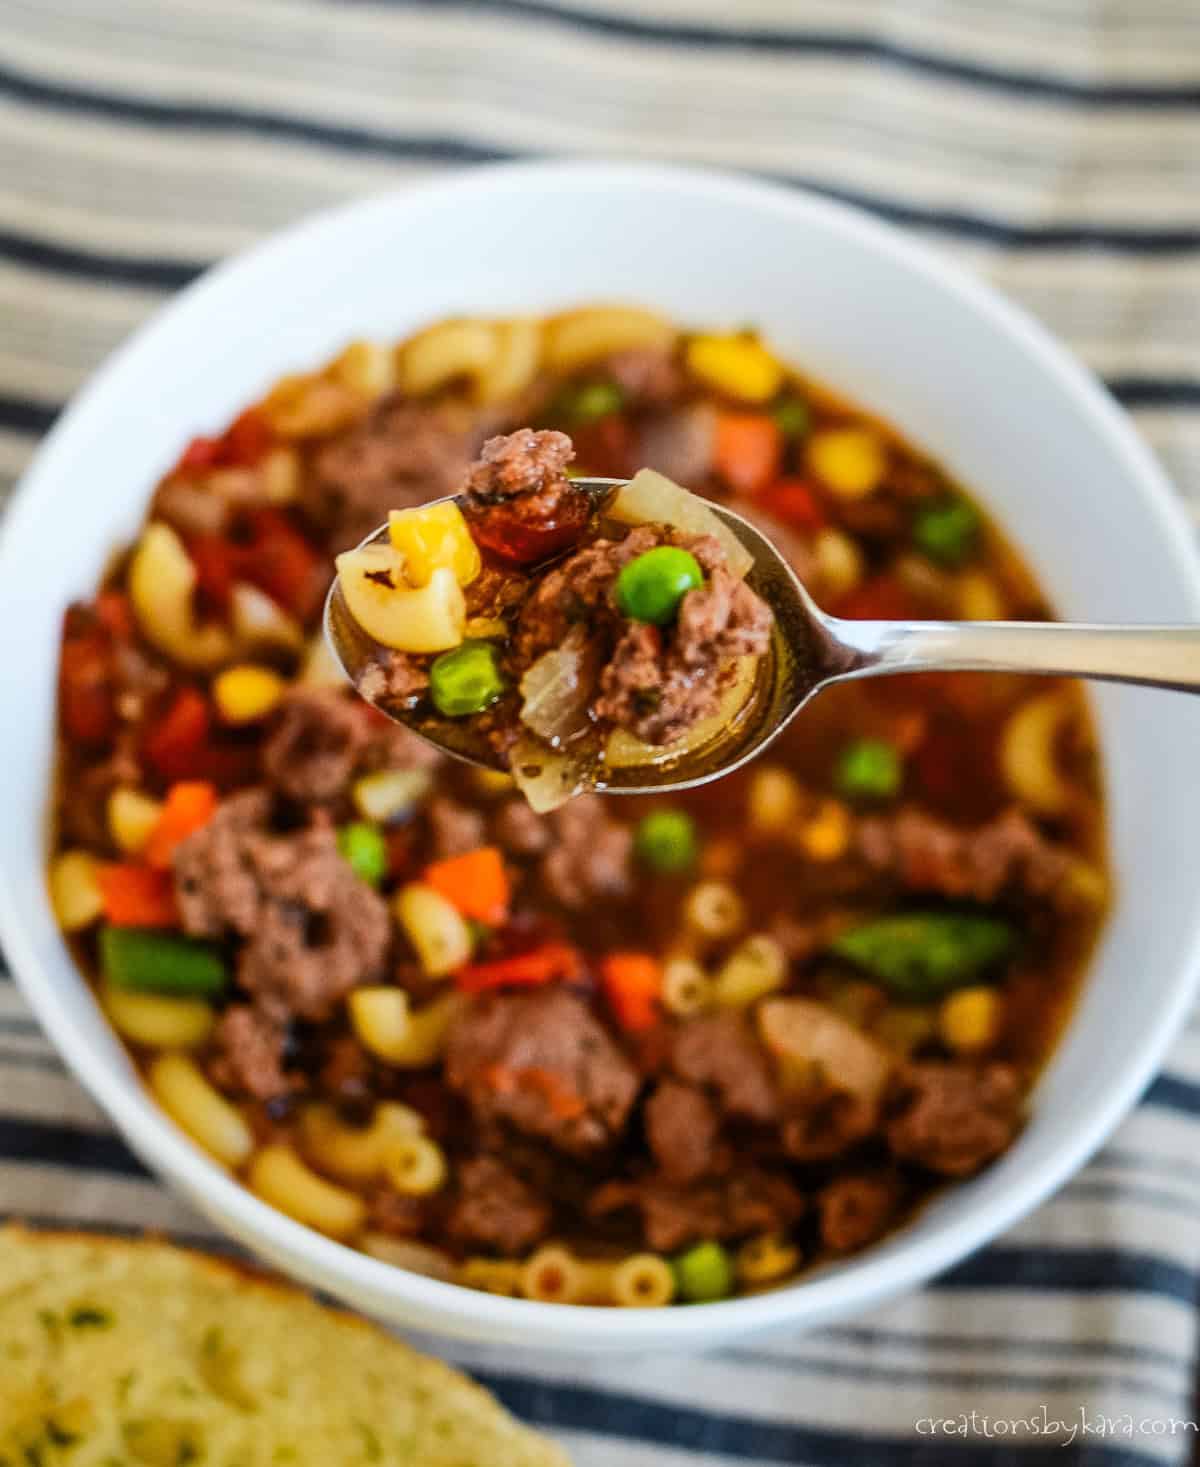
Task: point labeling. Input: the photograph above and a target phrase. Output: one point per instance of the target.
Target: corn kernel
(827, 835)
(492, 781)
(74, 890)
(979, 597)
(969, 1020)
(850, 461)
(483, 628)
(739, 366)
(774, 799)
(435, 535)
(247, 693)
(131, 817)
(840, 566)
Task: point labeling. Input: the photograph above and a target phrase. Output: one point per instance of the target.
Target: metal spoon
(812, 650)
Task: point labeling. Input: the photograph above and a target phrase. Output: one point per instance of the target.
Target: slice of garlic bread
(139, 1354)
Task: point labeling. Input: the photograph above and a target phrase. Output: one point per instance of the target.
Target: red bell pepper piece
(545, 964)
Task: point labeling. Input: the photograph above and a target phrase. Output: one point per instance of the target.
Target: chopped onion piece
(623, 751)
(546, 777)
(651, 498)
(557, 689)
(812, 1043)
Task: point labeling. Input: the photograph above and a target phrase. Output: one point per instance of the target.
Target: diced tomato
(882, 598)
(279, 560)
(85, 683)
(632, 985)
(399, 852)
(500, 529)
(795, 502)
(174, 742)
(747, 450)
(115, 613)
(545, 964)
(214, 558)
(137, 896)
(199, 455)
(248, 440)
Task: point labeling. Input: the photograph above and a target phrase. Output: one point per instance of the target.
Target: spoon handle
(1155, 656)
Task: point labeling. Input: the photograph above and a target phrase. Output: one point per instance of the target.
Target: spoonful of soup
(630, 636)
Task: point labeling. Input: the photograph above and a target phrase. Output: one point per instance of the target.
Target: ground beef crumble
(544, 1064)
(313, 930)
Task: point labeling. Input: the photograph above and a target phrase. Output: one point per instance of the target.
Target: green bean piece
(148, 961)
(918, 956)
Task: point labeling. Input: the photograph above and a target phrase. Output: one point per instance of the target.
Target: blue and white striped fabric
(1053, 145)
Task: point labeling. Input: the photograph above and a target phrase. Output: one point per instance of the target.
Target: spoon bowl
(811, 650)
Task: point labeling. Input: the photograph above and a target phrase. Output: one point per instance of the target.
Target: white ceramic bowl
(901, 331)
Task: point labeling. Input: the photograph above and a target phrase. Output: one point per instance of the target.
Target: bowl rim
(904, 1261)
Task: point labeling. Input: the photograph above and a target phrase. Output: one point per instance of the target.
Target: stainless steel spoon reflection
(812, 650)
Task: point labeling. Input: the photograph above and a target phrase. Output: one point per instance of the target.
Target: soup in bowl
(584, 1050)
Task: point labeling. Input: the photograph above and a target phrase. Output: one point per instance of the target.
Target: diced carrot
(189, 805)
(476, 883)
(632, 984)
(747, 450)
(545, 964)
(174, 742)
(137, 896)
(795, 502)
(115, 614)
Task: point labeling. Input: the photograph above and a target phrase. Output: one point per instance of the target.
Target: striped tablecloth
(1054, 146)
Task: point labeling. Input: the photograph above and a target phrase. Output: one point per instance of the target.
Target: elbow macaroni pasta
(158, 1022)
(200, 1110)
(1028, 753)
(714, 910)
(279, 1177)
(436, 928)
(756, 967)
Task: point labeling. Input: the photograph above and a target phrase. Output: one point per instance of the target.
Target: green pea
(364, 850)
(703, 1273)
(665, 840)
(869, 769)
(947, 531)
(466, 681)
(595, 400)
(651, 587)
(792, 417)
